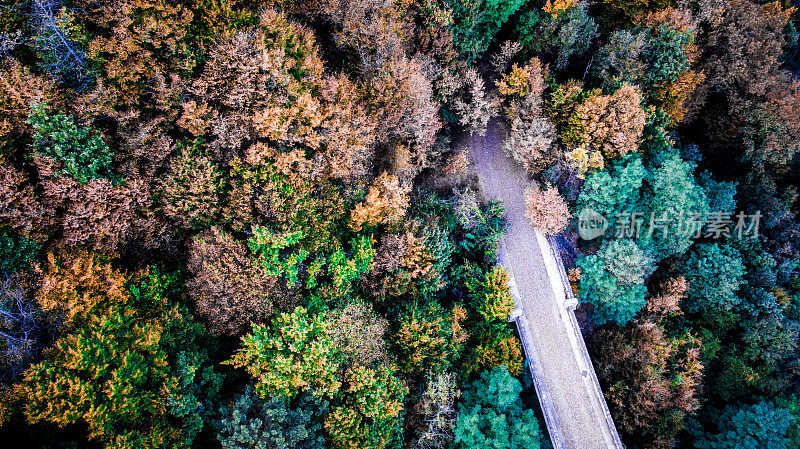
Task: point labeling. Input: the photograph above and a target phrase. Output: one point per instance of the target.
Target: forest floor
(573, 391)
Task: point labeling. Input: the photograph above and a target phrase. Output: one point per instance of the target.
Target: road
(575, 410)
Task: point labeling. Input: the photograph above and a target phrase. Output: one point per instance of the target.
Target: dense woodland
(249, 224)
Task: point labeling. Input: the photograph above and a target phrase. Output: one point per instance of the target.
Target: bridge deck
(572, 402)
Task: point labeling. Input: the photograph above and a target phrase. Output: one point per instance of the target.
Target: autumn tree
(101, 214)
(128, 335)
(477, 107)
(494, 301)
(612, 123)
(429, 338)
(640, 365)
(294, 354)
(386, 202)
(367, 413)
(406, 112)
(359, 333)
(532, 142)
(748, 44)
(20, 90)
(189, 195)
(495, 345)
(546, 209)
(297, 355)
(230, 288)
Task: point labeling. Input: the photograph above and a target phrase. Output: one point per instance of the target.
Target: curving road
(575, 410)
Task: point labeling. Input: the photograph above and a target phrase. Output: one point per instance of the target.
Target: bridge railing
(571, 303)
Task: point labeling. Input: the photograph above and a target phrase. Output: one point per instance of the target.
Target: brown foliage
(496, 347)
(748, 45)
(75, 282)
(407, 112)
(653, 379)
(377, 31)
(350, 130)
(532, 142)
(143, 52)
(359, 333)
(101, 214)
(19, 89)
(230, 289)
(772, 130)
(546, 209)
(189, 193)
(401, 260)
(675, 98)
(430, 339)
(386, 203)
(610, 123)
(250, 89)
(19, 207)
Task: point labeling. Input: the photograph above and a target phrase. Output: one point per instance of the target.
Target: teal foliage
(762, 268)
(16, 251)
(80, 151)
(619, 59)
(674, 195)
(562, 35)
(766, 343)
(715, 273)
(475, 23)
(273, 423)
(483, 238)
(667, 203)
(491, 415)
(665, 56)
(613, 280)
(665, 194)
(762, 425)
(721, 195)
(615, 190)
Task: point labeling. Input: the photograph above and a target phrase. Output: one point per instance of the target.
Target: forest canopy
(256, 224)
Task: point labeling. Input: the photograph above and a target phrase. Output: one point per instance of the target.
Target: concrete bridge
(574, 408)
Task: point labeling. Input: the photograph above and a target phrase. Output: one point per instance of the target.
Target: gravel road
(573, 390)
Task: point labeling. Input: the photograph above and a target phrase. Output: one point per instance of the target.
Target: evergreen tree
(491, 415)
(276, 422)
(742, 426)
(613, 280)
(78, 151)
